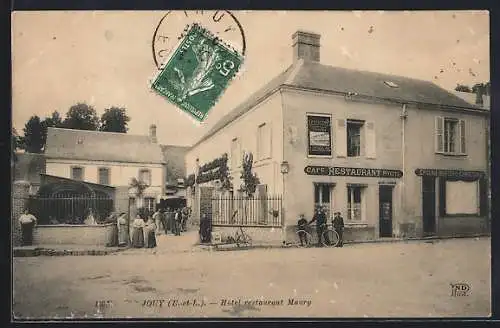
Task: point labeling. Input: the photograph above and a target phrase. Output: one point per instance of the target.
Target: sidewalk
(61, 250)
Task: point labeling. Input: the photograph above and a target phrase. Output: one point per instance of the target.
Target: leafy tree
(114, 119)
(139, 187)
(54, 120)
(81, 117)
(463, 88)
(34, 139)
(250, 179)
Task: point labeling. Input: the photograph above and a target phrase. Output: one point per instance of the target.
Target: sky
(105, 59)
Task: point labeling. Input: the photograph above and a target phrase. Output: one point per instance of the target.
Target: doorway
(429, 205)
(385, 211)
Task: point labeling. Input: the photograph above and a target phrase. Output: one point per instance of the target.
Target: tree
(33, 140)
(139, 187)
(250, 179)
(54, 120)
(81, 117)
(463, 88)
(114, 119)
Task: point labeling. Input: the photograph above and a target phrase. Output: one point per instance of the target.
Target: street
(404, 279)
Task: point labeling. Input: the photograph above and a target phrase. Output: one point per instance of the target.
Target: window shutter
(442, 196)
(462, 137)
(439, 132)
(341, 138)
(370, 140)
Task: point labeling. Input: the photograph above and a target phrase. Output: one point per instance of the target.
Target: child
(301, 228)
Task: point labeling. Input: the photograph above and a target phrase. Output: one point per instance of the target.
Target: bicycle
(330, 237)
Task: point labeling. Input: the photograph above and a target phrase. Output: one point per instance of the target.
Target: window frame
(264, 127)
(460, 142)
(77, 167)
(150, 176)
(361, 125)
(146, 205)
(362, 206)
(308, 143)
(238, 159)
(108, 170)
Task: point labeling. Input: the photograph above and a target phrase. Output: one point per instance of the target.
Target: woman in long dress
(149, 233)
(122, 230)
(137, 232)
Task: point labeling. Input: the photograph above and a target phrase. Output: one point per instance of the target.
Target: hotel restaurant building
(397, 156)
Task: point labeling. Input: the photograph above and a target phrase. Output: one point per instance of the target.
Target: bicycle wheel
(306, 237)
(330, 238)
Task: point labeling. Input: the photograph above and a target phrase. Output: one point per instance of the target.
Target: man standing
(157, 220)
(320, 218)
(338, 225)
(27, 222)
(177, 222)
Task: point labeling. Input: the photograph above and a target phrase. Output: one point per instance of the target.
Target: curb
(59, 252)
(226, 247)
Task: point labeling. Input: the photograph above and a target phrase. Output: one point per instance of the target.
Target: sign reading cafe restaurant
(352, 172)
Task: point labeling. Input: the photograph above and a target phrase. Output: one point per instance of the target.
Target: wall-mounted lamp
(285, 167)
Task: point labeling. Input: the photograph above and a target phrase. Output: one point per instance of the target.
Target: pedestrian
(205, 229)
(301, 228)
(168, 220)
(28, 223)
(90, 219)
(149, 233)
(184, 218)
(157, 220)
(138, 232)
(320, 218)
(177, 222)
(113, 219)
(338, 225)
(122, 230)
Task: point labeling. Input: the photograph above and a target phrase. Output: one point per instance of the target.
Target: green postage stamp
(197, 72)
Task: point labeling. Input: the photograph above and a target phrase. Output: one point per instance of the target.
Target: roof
(470, 97)
(29, 166)
(101, 146)
(174, 157)
(314, 75)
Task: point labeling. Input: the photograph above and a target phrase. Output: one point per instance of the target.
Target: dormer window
(391, 84)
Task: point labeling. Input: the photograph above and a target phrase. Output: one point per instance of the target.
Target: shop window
(355, 203)
(462, 197)
(264, 141)
(354, 138)
(450, 136)
(322, 197)
(104, 175)
(77, 173)
(145, 176)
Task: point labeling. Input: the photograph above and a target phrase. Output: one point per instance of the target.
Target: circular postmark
(221, 23)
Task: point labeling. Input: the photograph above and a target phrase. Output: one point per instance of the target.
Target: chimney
(152, 133)
(306, 46)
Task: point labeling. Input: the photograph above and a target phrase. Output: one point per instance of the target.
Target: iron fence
(69, 209)
(247, 211)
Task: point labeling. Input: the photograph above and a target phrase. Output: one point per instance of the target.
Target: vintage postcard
(250, 164)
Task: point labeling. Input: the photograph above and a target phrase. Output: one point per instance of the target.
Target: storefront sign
(352, 172)
(319, 132)
(449, 173)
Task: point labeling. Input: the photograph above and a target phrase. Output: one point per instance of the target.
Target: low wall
(450, 226)
(76, 234)
(259, 235)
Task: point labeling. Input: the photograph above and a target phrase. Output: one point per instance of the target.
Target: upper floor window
(264, 140)
(319, 134)
(77, 173)
(355, 138)
(235, 153)
(104, 175)
(450, 136)
(145, 176)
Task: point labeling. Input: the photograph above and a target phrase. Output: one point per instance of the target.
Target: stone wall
(70, 234)
(20, 195)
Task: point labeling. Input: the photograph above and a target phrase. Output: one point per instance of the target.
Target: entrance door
(429, 205)
(385, 211)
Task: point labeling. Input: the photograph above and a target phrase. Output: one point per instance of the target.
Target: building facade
(106, 158)
(398, 157)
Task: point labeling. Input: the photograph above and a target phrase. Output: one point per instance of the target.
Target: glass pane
(316, 193)
(326, 194)
(357, 195)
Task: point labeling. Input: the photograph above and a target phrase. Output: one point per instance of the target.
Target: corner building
(397, 156)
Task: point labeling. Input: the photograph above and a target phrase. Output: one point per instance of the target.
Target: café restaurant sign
(352, 172)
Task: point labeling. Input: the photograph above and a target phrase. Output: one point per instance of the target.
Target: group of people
(321, 225)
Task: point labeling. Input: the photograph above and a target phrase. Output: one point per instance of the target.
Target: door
(429, 205)
(385, 211)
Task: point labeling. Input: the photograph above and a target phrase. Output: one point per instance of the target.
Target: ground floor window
(355, 203)
(149, 204)
(462, 197)
(323, 197)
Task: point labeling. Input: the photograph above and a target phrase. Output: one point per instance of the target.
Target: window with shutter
(341, 138)
(439, 131)
(462, 132)
(370, 139)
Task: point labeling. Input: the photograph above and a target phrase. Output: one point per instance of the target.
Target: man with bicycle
(320, 218)
(338, 225)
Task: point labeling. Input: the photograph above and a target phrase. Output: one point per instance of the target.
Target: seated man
(301, 228)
